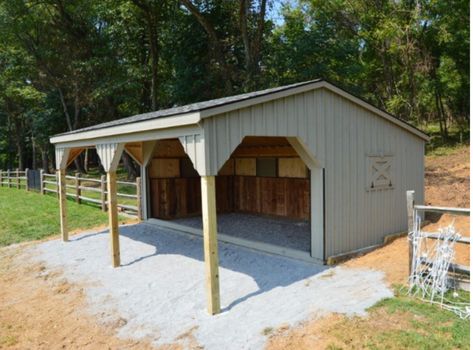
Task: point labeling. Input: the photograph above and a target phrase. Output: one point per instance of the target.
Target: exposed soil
(447, 183)
(338, 332)
(40, 310)
(447, 179)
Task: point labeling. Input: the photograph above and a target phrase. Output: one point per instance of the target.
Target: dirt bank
(447, 183)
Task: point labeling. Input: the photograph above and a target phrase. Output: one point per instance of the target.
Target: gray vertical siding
(340, 134)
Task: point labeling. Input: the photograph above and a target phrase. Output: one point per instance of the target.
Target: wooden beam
(73, 154)
(61, 176)
(110, 154)
(135, 150)
(139, 200)
(209, 220)
(148, 150)
(113, 217)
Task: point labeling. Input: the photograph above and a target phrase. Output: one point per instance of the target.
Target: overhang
(183, 120)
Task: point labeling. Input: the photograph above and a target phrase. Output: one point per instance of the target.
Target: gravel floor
(158, 292)
(279, 231)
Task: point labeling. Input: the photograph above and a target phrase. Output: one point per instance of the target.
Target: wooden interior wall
(289, 197)
(175, 191)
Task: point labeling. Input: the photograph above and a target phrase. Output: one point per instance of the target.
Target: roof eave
(95, 135)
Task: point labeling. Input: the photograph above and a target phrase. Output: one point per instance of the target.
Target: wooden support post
(26, 179)
(41, 181)
(9, 178)
(17, 178)
(57, 184)
(410, 225)
(113, 217)
(61, 176)
(138, 198)
(77, 185)
(103, 189)
(209, 220)
(1, 178)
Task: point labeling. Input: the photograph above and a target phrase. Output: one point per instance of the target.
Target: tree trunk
(151, 15)
(78, 164)
(33, 156)
(216, 45)
(153, 42)
(86, 160)
(21, 155)
(129, 166)
(45, 160)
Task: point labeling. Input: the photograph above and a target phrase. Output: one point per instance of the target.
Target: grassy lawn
(440, 147)
(401, 322)
(29, 216)
(121, 188)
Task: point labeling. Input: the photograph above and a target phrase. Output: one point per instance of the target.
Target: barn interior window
(379, 172)
(266, 167)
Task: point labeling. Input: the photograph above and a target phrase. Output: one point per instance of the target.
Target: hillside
(446, 184)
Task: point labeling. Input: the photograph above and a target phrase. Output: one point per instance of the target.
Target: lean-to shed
(308, 153)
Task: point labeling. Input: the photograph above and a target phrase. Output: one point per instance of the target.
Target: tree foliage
(67, 64)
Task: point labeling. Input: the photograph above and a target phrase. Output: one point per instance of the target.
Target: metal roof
(193, 107)
(228, 101)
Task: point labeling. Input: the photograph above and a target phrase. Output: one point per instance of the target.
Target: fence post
(103, 197)
(78, 191)
(57, 185)
(9, 178)
(17, 178)
(41, 181)
(1, 178)
(138, 197)
(26, 179)
(410, 226)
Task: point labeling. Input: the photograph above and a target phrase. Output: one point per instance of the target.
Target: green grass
(29, 216)
(440, 147)
(430, 326)
(121, 188)
(403, 322)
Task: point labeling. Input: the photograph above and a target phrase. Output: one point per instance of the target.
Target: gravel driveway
(158, 292)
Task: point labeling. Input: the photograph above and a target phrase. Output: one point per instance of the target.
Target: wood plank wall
(289, 197)
(180, 197)
(173, 198)
(175, 193)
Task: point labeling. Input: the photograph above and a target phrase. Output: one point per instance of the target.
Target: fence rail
(48, 183)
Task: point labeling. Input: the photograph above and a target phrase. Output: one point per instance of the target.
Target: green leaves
(77, 63)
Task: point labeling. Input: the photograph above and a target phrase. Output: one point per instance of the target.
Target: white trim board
(130, 128)
(253, 245)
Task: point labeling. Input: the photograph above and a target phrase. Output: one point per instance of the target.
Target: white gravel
(159, 289)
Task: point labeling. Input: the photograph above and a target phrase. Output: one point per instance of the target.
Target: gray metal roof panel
(193, 107)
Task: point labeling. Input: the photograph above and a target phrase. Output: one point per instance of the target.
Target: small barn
(306, 170)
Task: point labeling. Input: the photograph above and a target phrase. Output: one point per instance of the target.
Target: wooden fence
(14, 179)
(82, 189)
